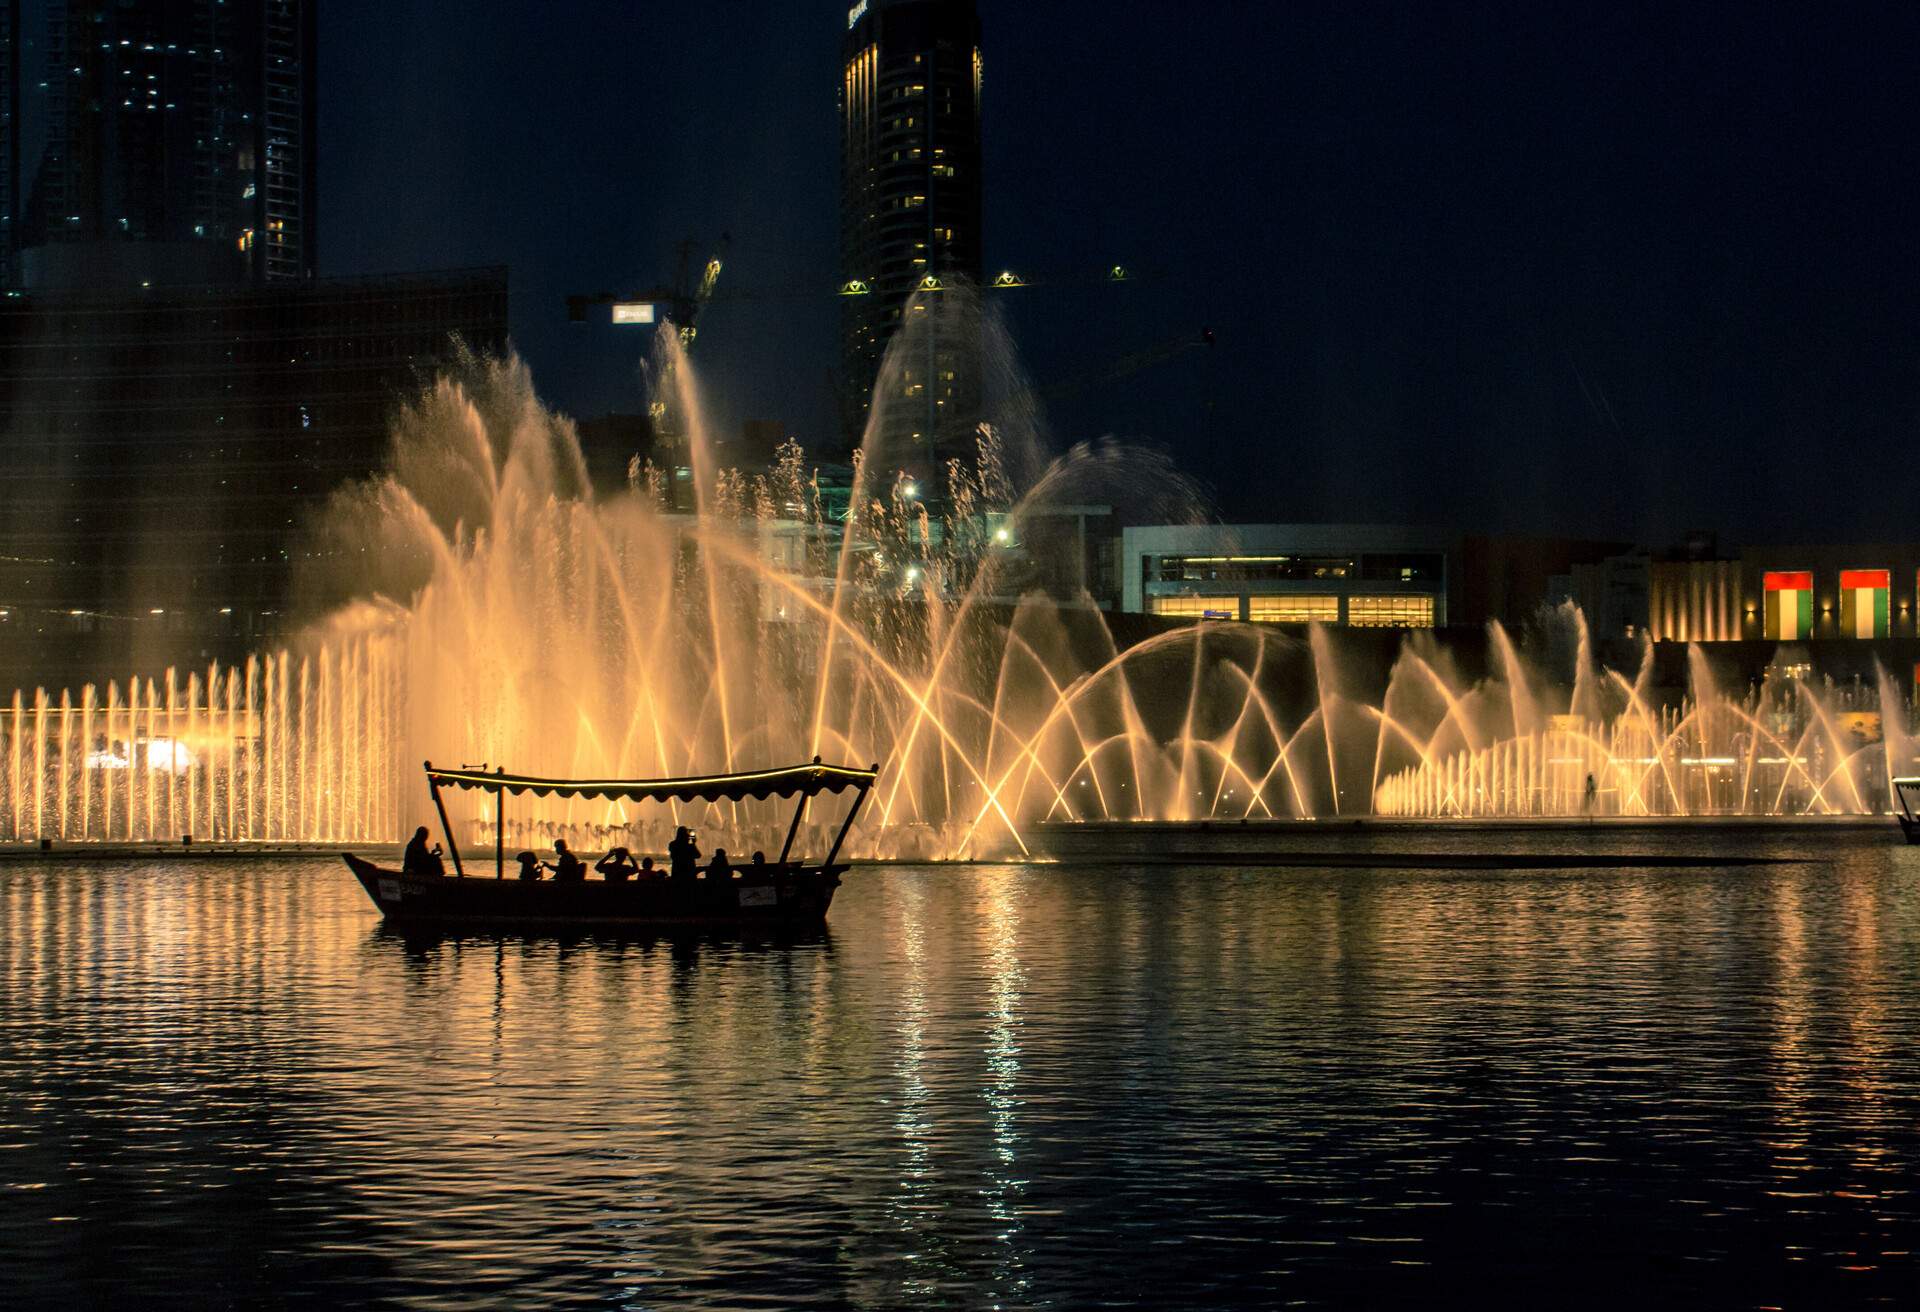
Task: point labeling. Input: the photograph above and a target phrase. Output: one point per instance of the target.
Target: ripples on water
(1011, 1086)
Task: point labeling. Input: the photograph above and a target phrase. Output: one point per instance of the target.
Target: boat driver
(419, 860)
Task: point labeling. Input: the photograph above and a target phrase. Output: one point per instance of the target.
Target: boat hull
(800, 898)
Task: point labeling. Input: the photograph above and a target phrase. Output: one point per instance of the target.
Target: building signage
(1789, 611)
(1864, 598)
(855, 14)
(633, 312)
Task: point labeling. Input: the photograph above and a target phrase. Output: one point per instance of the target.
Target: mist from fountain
(488, 608)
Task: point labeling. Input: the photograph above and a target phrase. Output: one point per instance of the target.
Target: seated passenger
(529, 865)
(719, 868)
(617, 865)
(758, 869)
(418, 859)
(682, 855)
(646, 870)
(569, 869)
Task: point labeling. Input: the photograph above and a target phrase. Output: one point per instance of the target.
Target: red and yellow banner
(1789, 609)
(1865, 595)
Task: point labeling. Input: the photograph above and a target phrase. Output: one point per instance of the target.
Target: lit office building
(1362, 575)
(1799, 593)
(910, 220)
(159, 142)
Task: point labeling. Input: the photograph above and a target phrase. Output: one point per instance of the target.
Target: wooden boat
(790, 893)
(1906, 793)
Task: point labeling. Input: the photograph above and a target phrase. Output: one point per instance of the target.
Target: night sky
(1620, 273)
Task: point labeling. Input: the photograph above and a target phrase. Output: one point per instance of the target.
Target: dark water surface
(1009, 1086)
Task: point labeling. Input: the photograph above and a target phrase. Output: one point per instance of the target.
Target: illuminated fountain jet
(491, 608)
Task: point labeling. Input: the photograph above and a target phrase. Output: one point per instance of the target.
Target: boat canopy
(790, 781)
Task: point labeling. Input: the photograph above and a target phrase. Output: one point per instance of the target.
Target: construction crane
(683, 299)
(687, 295)
(1125, 367)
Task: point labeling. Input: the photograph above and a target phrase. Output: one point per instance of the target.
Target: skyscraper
(178, 391)
(910, 217)
(9, 133)
(162, 141)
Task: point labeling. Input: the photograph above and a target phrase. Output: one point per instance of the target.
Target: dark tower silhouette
(9, 134)
(910, 217)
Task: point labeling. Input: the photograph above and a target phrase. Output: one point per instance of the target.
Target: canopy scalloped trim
(790, 781)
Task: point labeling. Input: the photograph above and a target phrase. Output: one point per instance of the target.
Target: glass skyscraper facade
(910, 221)
(159, 141)
(179, 391)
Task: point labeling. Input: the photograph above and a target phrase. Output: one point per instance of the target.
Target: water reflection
(1022, 1086)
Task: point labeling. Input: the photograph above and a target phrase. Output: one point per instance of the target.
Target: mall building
(1364, 575)
(1787, 594)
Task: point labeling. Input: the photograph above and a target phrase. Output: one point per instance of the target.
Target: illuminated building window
(1214, 608)
(1408, 612)
(1294, 610)
(1252, 568)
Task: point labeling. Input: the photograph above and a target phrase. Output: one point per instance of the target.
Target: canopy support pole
(433, 786)
(500, 833)
(793, 829)
(841, 837)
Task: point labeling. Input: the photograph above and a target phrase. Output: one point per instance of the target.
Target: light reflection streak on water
(911, 1210)
(1000, 926)
(1790, 1058)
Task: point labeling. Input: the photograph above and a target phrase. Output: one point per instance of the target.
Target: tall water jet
(485, 606)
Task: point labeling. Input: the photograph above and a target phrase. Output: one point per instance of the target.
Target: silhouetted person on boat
(758, 869)
(419, 859)
(646, 870)
(529, 865)
(617, 866)
(569, 869)
(719, 867)
(683, 857)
